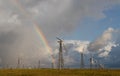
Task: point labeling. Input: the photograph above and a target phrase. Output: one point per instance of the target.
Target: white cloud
(104, 44)
(104, 54)
(77, 45)
(102, 41)
(107, 49)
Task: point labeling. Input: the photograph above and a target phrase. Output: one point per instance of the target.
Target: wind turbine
(82, 59)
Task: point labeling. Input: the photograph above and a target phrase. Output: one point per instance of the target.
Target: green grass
(55, 72)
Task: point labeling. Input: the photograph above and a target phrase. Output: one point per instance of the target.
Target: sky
(28, 31)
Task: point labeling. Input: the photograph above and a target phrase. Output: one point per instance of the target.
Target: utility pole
(53, 62)
(39, 64)
(52, 65)
(18, 63)
(60, 60)
(23, 66)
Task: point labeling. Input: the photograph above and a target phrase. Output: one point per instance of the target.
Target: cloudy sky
(91, 27)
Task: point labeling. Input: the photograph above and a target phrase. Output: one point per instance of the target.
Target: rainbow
(43, 39)
(37, 29)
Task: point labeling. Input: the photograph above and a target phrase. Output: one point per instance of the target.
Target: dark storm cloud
(6, 40)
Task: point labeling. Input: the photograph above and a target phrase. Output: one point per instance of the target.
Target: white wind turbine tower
(81, 49)
(82, 59)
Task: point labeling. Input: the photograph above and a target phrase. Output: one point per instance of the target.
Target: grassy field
(54, 72)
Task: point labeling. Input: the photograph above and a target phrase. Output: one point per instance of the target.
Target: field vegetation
(56, 72)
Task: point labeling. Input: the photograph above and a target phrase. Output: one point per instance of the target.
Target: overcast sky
(88, 26)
